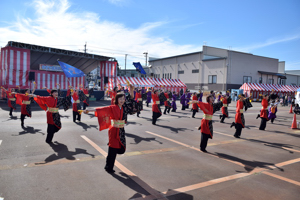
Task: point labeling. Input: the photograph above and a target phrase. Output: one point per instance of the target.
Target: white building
(219, 69)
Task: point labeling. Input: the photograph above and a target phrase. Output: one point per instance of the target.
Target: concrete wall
(292, 79)
(243, 64)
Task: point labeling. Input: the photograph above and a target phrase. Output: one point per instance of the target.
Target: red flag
(41, 103)
(18, 99)
(104, 117)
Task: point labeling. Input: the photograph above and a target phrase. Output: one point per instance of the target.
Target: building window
(271, 81)
(195, 71)
(260, 80)
(170, 75)
(247, 79)
(132, 75)
(212, 79)
(163, 75)
(181, 72)
(283, 82)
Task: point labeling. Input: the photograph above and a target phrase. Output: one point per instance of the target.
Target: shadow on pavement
(62, 151)
(272, 144)
(249, 165)
(85, 126)
(138, 139)
(65, 116)
(133, 123)
(29, 129)
(178, 196)
(126, 180)
(172, 129)
(11, 118)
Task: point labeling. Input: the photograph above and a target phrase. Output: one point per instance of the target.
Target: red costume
(24, 101)
(156, 103)
(113, 96)
(239, 111)
(206, 123)
(263, 111)
(86, 92)
(195, 106)
(224, 107)
(76, 102)
(11, 100)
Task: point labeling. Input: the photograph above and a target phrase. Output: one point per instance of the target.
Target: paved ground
(161, 162)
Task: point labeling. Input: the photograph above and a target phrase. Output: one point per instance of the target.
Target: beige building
(218, 69)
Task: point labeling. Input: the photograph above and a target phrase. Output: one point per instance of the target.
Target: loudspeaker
(105, 79)
(31, 76)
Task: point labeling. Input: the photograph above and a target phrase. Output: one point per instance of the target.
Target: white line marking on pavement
(0, 144)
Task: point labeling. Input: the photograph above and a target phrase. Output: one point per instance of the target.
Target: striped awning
(149, 82)
(269, 87)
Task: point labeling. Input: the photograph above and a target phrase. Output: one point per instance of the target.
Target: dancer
(148, 97)
(156, 111)
(239, 123)
(224, 108)
(200, 95)
(113, 118)
(87, 92)
(11, 99)
(183, 101)
(206, 127)
(25, 101)
(195, 106)
(139, 100)
(174, 106)
(264, 113)
(272, 111)
(77, 97)
(112, 94)
(187, 98)
(167, 103)
(51, 104)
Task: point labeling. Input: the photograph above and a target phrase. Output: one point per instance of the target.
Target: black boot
(258, 116)
(233, 124)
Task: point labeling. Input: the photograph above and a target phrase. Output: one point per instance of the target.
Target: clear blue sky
(268, 28)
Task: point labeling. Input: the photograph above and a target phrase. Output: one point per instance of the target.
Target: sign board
(46, 67)
(198, 87)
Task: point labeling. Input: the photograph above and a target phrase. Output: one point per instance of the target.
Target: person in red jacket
(264, 113)
(195, 105)
(167, 103)
(239, 123)
(87, 92)
(76, 106)
(156, 112)
(112, 94)
(25, 101)
(113, 118)
(224, 108)
(51, 104)
(11, 99)
(139, 100)
(206, 127)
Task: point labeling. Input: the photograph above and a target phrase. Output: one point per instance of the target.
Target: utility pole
(146, 55)
(125, 63)
(85, 48)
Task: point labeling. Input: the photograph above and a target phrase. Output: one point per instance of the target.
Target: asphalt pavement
(162, 161)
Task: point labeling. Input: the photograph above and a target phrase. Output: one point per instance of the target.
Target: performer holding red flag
(51, 104)
(25, 101)
(11, 100)
(113, 118)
